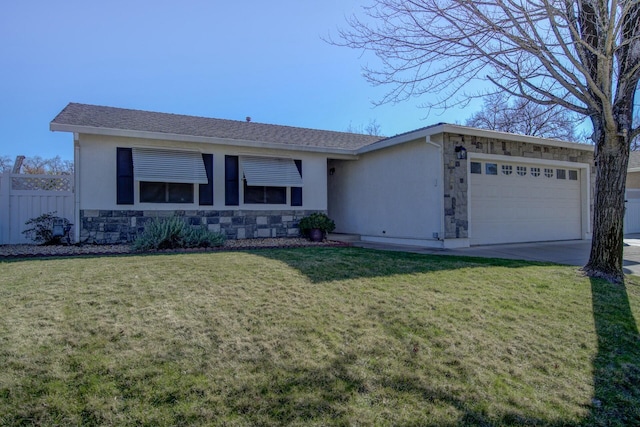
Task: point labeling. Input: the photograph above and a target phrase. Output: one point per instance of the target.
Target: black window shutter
(206, 190)
(124, 173)
(231, 181)
(296, 192)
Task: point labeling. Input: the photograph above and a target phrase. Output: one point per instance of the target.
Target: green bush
(200, 237)
(41, 230)
(317, 220)
(175, 233)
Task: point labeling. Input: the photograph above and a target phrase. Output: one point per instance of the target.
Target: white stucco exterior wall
(393, 194)
(97, 175)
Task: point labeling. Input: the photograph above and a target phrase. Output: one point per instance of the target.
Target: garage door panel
(516, 208)
(532, 230)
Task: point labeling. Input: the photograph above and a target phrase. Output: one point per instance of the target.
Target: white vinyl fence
(632, 213)
(24, 196)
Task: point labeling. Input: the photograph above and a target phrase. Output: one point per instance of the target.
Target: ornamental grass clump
(200, 237)
(175, 233)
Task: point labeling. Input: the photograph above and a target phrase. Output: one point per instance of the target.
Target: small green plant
(42, 229)
(200, 237)
(318, 221)
(175, 233)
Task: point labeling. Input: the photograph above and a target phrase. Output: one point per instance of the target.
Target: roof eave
(399, 139)
(465, 130)
(125, 133)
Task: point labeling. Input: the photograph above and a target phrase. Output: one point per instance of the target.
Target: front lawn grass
(314, 336)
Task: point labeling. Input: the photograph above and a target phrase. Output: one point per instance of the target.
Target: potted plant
(316, 226)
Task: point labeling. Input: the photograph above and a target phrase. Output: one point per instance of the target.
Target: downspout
(76, 187)
(440, 184)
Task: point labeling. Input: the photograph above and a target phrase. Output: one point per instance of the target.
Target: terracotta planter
(316, 235)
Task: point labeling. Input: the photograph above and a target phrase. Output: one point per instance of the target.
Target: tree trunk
(611, 160)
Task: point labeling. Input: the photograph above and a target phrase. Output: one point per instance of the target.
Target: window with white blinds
(270, 172)
(157, 165)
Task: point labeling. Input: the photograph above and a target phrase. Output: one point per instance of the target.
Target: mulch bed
(38, 251)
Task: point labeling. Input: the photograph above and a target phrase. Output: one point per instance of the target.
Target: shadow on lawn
(616, 367)
(296, 394)
(326, 264)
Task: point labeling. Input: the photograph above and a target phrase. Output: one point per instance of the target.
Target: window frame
(168, 189)
(270, 195)
(475, 168)
(265, 190)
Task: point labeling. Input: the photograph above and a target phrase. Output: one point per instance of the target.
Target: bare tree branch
(53, 166)
(524, 117)
(5, 163)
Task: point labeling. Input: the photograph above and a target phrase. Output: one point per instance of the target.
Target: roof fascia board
(335, 153)
(464, 130)
(401, 139)
(485, 133)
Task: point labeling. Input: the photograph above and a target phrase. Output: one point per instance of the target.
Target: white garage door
(518, 202)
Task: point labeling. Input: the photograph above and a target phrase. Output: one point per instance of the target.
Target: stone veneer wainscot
(123, 226)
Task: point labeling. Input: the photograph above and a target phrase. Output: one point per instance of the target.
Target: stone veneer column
(456, 223)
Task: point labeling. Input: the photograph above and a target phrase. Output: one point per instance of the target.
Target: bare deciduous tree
(524, 117)
(5, 164)
(38, 165)
(52, 166)
(583, 55)
(372, 128)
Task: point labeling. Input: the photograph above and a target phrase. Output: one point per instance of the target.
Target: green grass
(315, 336)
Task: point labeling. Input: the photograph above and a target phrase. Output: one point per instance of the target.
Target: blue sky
(215, 58)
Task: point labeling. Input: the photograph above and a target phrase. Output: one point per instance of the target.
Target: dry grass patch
(316, 336)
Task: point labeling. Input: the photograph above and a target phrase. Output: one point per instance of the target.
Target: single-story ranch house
(439, 186)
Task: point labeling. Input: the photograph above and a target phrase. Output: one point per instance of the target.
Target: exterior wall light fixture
(461, 152)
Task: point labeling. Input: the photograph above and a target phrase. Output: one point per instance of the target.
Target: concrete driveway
(573, 252)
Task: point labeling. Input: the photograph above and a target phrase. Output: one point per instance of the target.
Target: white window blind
(156, 165)
(270, 172)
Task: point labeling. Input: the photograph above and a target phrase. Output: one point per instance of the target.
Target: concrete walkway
(572, 252)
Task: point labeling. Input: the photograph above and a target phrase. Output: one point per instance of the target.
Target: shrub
(200, 237)
(317, 220)
(41, 231)
(175, 233)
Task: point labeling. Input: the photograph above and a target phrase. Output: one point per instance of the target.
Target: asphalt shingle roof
(94, 116)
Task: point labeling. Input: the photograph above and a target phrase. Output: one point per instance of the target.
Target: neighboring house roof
(634, 161)
(94, 119)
